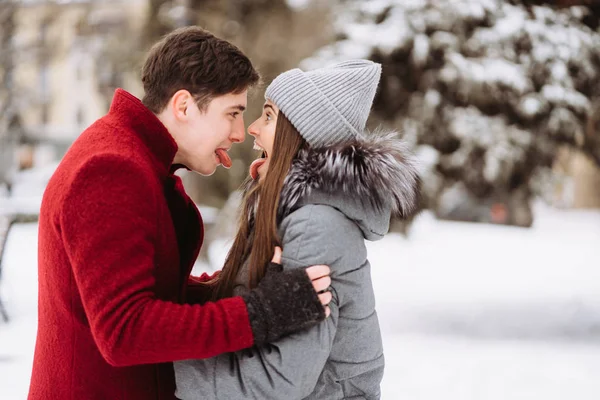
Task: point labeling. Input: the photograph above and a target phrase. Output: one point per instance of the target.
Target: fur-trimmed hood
(368, 179)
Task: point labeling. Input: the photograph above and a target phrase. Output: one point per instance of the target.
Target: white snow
(530, 106)
(556, 37)
(498, 72)
(387, 36)
(355, 19)
(27, 190)
(420, 50)
(375, 7)
(428, 157)
(438, 367)
(298, 4)
(344, 50)
(561, 96)
(18, 289)
(506, 28)
(505, 143)
(559, 72)
(468, 311)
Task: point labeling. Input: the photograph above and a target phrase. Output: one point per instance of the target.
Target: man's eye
(234, 114)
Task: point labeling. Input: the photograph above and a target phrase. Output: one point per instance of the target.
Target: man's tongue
(224, 158)
(255, 166)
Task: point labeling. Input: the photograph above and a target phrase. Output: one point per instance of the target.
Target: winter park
(486, 287)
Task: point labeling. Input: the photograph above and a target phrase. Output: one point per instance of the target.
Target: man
(118, 237)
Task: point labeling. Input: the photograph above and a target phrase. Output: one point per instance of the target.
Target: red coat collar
(129, 111)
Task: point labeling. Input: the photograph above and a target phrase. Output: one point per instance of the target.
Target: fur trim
(378, 169)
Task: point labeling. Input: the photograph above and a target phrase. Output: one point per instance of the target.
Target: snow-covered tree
(485, 90)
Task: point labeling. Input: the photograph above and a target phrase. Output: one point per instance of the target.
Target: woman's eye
(268, 117)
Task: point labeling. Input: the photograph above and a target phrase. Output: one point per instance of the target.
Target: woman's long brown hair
(257, 234)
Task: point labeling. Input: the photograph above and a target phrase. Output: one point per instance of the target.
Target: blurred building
(61, 83)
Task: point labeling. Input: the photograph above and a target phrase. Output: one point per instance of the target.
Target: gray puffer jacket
(333, 199)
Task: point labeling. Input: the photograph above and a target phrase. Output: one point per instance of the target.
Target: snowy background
(468, 311)
(500, 100)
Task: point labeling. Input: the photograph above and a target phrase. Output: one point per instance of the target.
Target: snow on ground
(27, 190)
(422, 367)
(18, 288)
(480, 312)
(467, 311)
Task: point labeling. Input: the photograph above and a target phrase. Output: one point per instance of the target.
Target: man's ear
(181, 100)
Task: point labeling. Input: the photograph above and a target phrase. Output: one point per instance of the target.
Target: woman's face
(263, 130)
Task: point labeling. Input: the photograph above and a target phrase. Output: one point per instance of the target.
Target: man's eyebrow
(271, 107)
(238, 107)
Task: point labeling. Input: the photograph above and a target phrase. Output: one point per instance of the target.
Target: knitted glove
(284, 302)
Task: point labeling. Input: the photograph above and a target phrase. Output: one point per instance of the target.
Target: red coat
(117, 239)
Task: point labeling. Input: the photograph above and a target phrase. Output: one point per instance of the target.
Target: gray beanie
(327, 105)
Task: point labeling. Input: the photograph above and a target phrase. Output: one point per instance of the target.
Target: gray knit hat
(327, 105)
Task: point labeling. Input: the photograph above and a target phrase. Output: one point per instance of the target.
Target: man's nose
(238, 135)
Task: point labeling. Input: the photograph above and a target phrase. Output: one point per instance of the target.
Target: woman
(320, 189)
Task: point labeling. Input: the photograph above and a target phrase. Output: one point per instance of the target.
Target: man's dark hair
(194, 59)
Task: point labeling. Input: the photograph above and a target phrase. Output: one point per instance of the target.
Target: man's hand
(319, 275)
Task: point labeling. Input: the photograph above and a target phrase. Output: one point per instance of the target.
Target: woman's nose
(252, 129)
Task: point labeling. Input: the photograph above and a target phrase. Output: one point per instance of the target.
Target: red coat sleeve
(108, 224)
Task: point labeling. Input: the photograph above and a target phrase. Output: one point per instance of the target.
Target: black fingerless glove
(283, 302)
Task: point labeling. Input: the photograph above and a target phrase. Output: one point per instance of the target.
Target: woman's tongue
(224, 158)
(255, 166)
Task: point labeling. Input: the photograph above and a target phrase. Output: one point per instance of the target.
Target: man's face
(204, 137)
